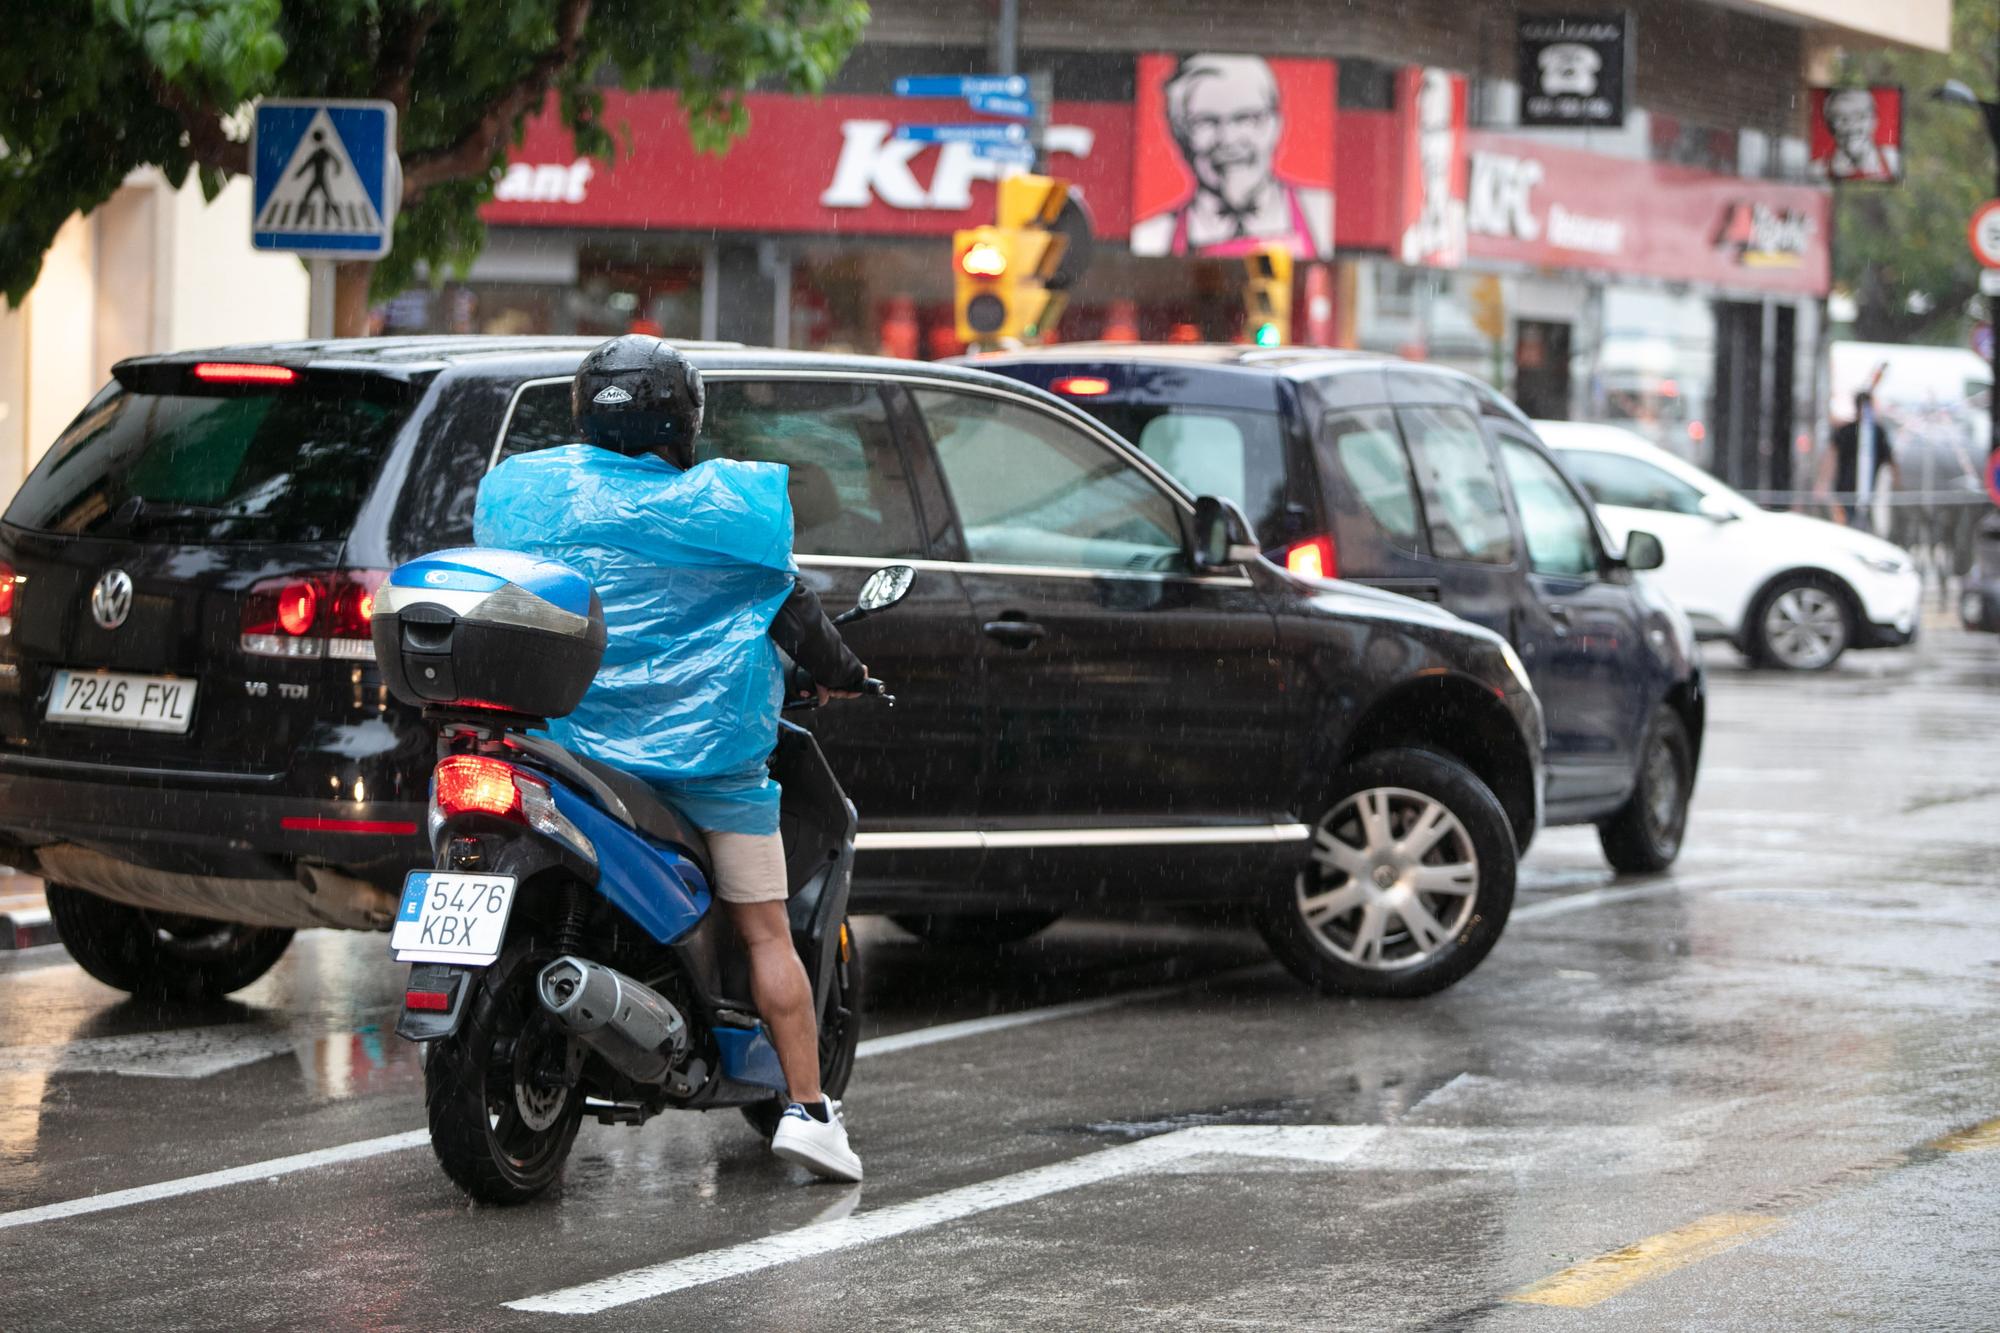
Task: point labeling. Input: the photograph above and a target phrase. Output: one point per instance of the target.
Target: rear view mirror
(1222, 536)
(885, 587)
(1643, 551)
(1716, 509)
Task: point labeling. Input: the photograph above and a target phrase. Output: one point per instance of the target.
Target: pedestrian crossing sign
(325, 178)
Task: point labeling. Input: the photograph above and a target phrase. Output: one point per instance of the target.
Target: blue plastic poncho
(691, 568)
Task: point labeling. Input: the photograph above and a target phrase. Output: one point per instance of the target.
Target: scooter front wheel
(501, 1091)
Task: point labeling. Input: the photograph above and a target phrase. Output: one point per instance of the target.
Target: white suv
(1790, 591)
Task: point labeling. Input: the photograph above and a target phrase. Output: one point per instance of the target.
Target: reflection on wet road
(1759, 1092)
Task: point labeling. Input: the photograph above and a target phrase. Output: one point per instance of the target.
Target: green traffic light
(1266, 335)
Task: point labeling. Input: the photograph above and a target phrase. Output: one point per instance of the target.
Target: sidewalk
(24, 913)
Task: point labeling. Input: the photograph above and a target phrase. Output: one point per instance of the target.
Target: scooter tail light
(466, 784)
(1314, 558)
(432, 1001)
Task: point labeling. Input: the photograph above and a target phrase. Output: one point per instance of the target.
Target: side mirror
(1643, 551)
(1222, 536)
(1716, 509)
(884, 588)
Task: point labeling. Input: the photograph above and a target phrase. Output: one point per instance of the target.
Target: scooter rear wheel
(503, 1104)
(839, 1035)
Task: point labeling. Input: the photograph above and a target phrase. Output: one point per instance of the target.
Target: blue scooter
(565, 960)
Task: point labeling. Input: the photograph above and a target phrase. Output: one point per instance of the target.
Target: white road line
(1316, 1143)
(1577, 902)
(215, 1180)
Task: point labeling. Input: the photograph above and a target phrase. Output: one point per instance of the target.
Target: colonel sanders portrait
(1852, 118)
(1227, 122)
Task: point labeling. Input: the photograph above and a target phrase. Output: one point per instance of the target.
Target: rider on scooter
(693, 565)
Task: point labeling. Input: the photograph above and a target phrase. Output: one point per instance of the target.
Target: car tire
(839, 1039)
(1340, 925)
(1645, 835)
(161, 955)
(963, 928)
(1803, 622)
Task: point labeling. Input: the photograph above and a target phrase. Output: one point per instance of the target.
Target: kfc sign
(874, 166)
(1561, 208)
(1430, 107)
(807, 165)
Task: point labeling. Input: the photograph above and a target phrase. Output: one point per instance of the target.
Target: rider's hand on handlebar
(825, 693)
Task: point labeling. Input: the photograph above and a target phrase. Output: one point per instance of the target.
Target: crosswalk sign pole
(319, 309)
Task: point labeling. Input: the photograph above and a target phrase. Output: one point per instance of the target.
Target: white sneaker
(820, 1146)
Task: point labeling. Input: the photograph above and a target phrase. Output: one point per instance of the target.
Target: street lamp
(1957, 93)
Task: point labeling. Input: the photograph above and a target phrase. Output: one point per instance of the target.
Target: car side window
(850, 489)
(1368, 452)
(1561, 538)
(541, 420)
(1033, 490)
(1462, 502)
(1613, 479)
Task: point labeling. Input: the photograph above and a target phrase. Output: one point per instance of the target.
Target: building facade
(1668, 273)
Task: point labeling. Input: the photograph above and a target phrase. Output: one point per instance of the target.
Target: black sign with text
(1574, 69)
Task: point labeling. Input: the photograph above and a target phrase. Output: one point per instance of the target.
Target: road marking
(215, 1180)
(1597, 1280)
(1321, 1143)
(1577, 902)
(1975, 1139)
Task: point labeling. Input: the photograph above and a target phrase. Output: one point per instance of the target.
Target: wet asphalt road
(1761, 1092)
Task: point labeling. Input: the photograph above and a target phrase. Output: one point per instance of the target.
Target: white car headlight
(1884, 564)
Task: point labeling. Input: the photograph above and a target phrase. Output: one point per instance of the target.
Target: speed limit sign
(1985, 233)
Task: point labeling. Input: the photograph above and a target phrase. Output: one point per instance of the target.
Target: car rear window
(289, 463)
(1236, 453)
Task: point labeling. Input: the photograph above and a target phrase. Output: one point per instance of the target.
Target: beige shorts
(749, 867)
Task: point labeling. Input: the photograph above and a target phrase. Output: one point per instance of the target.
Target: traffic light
(1267, 296)
(1010, 278)
(1489, 311)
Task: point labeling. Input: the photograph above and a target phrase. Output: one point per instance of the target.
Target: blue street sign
(962, 85)
(969, 133)
(996, 104)
(1019, 154)
(325, 179)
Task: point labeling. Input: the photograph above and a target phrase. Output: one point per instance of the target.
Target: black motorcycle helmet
(637, 395)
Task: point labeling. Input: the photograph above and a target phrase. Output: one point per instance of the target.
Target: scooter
(566, 957)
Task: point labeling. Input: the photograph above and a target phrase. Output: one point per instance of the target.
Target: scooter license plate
(450, 917)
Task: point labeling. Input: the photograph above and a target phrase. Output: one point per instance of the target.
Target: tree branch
(475, 148)
(399, 58)
(208, 143)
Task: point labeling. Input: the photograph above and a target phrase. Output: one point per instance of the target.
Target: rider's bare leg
(782, 993)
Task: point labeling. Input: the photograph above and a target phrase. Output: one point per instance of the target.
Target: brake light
(436, 1001)
(313, 614)
(1082, 386)
(472, 784)
(1313, 559)
(7, 581)
(242, 372)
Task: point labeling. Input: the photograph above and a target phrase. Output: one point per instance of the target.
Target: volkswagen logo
(111, 599)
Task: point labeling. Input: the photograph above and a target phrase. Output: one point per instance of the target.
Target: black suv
(1426, 482)
(197, 752)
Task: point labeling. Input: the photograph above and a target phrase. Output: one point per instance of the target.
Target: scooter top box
(479, 628)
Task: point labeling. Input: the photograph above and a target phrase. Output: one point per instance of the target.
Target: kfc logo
(875, 165)
(1502, 196)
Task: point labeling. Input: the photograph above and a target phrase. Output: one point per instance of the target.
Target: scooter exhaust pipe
(632, 1026)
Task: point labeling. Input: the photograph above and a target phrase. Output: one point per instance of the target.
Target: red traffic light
(983, 259)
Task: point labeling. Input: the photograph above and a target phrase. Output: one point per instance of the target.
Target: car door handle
(1014, 633)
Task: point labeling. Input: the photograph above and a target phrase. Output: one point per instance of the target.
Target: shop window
(1466, 516)
(1611, 479)
(1031, 490)
(1561, 538)
(1371, 457)
(850, 491)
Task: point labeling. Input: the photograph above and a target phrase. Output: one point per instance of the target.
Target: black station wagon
(1106, 694)
(1427, 482)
